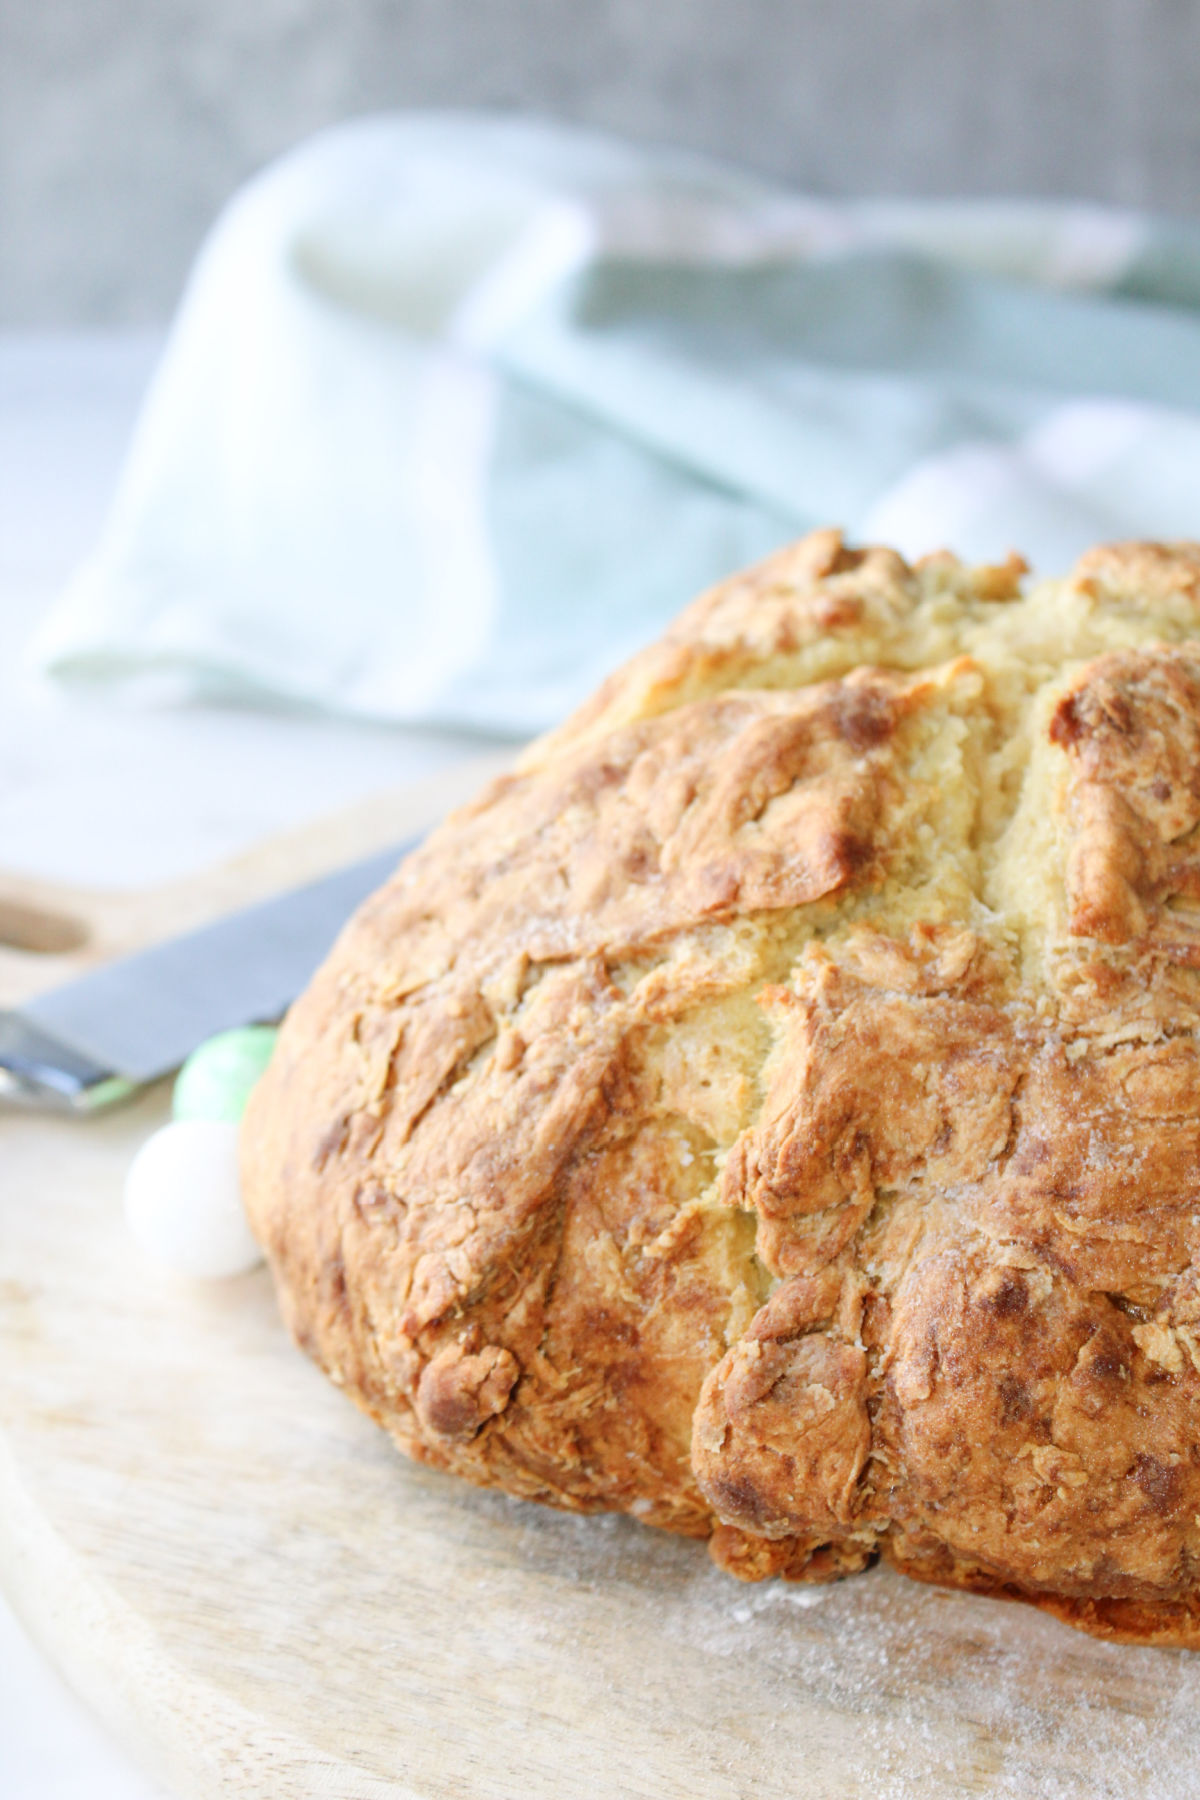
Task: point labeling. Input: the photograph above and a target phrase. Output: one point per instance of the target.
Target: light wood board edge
(192, 1738)
(113, 923)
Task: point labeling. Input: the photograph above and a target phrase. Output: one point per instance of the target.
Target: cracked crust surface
(774, 1109)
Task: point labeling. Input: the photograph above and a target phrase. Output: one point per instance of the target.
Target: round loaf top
(773, 1110)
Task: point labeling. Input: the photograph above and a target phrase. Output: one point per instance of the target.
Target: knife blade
(94, 1041)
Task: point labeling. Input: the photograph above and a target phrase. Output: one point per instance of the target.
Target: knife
(96, 1040)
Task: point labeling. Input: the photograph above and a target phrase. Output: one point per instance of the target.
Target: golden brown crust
(775, 1109)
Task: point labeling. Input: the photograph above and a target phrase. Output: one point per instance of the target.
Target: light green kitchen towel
(458, 411)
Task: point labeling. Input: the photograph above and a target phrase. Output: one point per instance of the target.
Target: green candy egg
(216, 1079)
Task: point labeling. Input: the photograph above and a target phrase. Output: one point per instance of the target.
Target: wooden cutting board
(263, 1599)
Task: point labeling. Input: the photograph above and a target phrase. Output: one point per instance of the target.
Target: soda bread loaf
(774, 1110)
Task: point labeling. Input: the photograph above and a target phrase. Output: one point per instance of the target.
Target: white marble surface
(111, 797)
(51, 1748)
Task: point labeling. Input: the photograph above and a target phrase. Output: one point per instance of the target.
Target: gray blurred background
(125, 123)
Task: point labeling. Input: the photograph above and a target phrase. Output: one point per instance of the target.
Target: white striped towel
(458, 411)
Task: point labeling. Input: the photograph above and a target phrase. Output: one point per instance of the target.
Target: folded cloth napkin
(457, 411)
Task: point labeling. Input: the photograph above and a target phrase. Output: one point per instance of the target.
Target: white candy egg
(183, 1201)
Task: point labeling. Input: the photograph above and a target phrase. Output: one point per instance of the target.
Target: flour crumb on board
(916, 1692)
